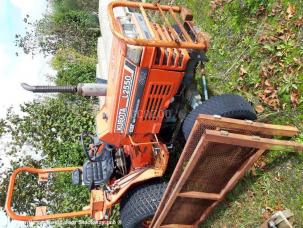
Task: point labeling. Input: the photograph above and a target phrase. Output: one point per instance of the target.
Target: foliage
(58, 194)
(66, 5)
(73, 68)
(52, 125)
(64, 27)
(27, 197)
(3, 127)
(256, 51)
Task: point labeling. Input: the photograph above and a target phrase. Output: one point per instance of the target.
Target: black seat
(92, 173)
(98, 172)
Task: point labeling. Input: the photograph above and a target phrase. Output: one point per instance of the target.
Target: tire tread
(226, 105)
(140, 203)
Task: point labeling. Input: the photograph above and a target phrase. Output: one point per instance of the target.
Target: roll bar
(156, 41)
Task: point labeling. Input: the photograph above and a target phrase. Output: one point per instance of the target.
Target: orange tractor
(150, 100)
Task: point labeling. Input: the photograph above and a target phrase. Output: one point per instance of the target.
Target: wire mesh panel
(186, 210)
(217, 154)
(215, 168)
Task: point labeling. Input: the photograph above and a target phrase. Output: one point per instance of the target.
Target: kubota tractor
(148, 99)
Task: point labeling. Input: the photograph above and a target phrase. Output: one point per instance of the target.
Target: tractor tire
(226, 105)
(139, 205)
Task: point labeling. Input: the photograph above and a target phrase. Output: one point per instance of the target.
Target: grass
(256, 51)
(258, 195)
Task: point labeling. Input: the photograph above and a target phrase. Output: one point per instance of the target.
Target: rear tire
(226, 105)
(140, 203)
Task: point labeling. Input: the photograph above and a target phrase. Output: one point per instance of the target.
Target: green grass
(265, 38)
(278, 186)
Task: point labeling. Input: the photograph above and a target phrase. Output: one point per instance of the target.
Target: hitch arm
(8, 203)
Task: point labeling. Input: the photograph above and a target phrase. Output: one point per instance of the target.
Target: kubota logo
(125, 96)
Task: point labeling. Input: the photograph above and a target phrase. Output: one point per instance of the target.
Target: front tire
(140, 203)
(226, 105)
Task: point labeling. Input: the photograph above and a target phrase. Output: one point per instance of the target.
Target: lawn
(257, 51)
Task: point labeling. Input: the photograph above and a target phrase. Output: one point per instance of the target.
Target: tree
(66, 26)
(73, 68)
(66, 5)
(26, 190)
(3, 127)
(52, 125)
(58, 193)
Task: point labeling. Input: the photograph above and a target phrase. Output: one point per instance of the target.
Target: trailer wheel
(226, 105)
(139, 205)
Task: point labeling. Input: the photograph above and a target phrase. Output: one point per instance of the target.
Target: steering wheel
(91, 150)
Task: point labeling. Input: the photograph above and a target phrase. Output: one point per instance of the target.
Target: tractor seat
(92, 174)
(95, 173)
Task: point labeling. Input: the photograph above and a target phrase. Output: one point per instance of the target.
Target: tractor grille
(169, 58)
(157, 94)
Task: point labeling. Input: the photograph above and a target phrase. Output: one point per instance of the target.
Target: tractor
(149, 101)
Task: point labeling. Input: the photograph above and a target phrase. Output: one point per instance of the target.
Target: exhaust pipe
(83, 89)
(49, 89)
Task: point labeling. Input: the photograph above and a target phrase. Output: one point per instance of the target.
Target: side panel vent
(157, 94)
